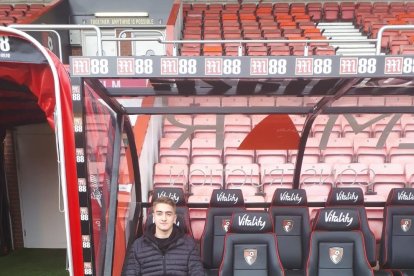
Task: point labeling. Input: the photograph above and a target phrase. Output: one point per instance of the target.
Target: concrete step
(354, 45)
(342, 51)
(341, 31)
(336, 24)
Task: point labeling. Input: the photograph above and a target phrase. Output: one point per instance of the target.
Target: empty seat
(317, 180)
(339, 150)
(387, 176)
(250, 247)
(312, 152)
(401, 150)
(205, 151)
(177, 195)
(170, 175)
(232, 154)
(353, 198)
(368, 151)
(176, 125)
(352, 175)
(292, 227)
(205, 178)
(222, 205)
(171, 152)
(275, 176)
(337, 244)
(244, 177)
(398, 233)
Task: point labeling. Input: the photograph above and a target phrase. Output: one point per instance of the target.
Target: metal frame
(59, 133)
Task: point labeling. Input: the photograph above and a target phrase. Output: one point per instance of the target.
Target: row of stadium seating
(257, 101)
(175, 126)
(20, 13)
(230, 231)
(259, 183)
(339, 150)
(291, 22)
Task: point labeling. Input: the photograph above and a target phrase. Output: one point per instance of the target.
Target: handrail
(240, 41)
(52, 31)
(389, 27)
(139, 31)
(63, 27)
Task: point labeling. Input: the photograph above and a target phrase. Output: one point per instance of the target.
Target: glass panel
(127, 213)
(100, 132)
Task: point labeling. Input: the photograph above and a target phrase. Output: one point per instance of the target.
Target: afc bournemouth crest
(225, 223)
(336, 253)
(250, 256)
(287, 225)
(405, 224)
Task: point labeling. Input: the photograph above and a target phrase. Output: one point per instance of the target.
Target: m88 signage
(242, 67)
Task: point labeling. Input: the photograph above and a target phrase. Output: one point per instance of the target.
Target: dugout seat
(290, 214)
(396, 251)
(222, 205)
(353, 198)
(250, 247)
(337, 244)
(177, 194)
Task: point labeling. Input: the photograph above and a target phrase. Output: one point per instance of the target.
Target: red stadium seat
(387, 176)
(204, 151)
(171, 155)
(317, 180)
(243, 176)
(274, 176)
(367, 151)
(338, 151)
(232, 155)
(171, 175)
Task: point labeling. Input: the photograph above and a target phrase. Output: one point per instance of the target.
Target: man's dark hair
(165, 200)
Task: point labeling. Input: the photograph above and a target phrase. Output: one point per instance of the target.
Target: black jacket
(180, 257)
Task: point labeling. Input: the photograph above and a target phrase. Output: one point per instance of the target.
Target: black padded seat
(222, 205)
(354, 198)
(183, 214)
(337, 245)
(250, 247)
(290, 214)
(397, 245)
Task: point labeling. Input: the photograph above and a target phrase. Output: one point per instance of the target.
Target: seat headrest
(345, 196)
(176, 194)
(289, 197)
(401, 196)
(251, 222)
(337, 219)
(227, 198)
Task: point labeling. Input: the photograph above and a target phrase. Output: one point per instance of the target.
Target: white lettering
(227, 197)
(173, 196)
(332, 217)
(293, 197)
(347, 196)
(246, 221)
(404, 196)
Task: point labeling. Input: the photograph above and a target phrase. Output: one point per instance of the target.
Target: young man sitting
(163, 249)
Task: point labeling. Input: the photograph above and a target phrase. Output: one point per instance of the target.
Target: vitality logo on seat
(342, 196)
(291, 197)
(342, 218)
(245, 220)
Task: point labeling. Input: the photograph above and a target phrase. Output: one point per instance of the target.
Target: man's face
(164, 217)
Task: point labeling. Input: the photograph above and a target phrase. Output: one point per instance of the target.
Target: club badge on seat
(225, 223)
(405, 224)
(287, 225)
(250, 256)
(336, 253)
